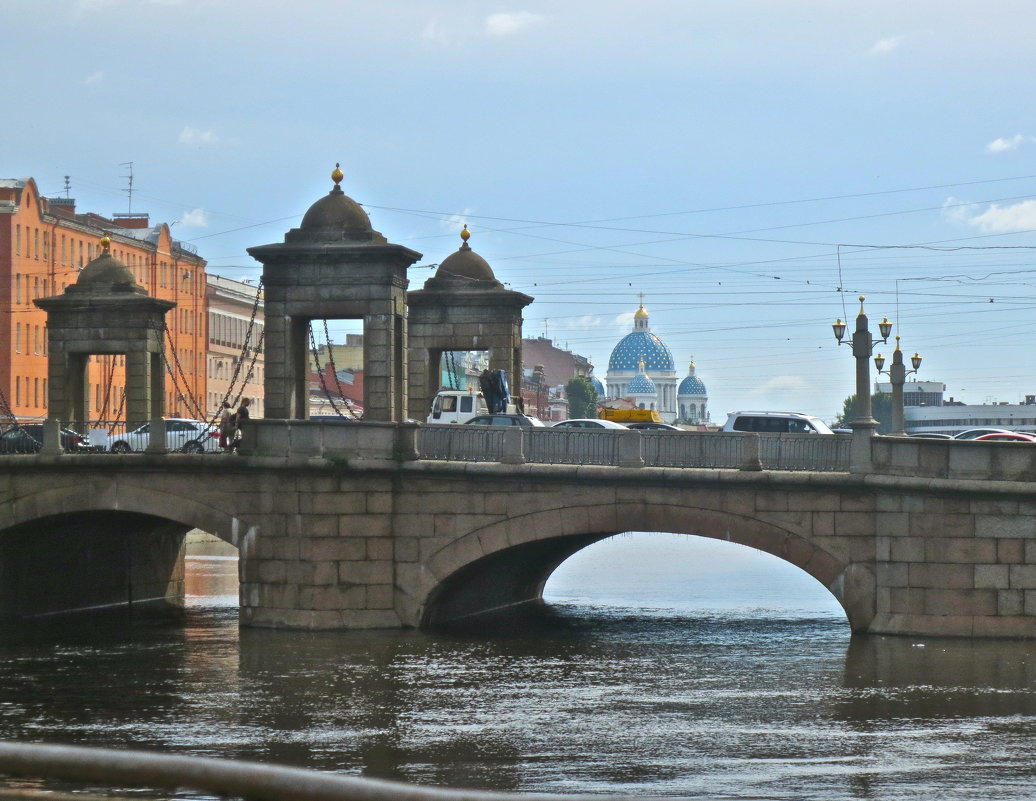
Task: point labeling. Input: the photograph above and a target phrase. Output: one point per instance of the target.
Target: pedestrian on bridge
(226, 426)
(239, 417)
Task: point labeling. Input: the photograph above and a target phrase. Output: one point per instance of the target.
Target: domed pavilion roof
(465, 265)
(106, 271)
(336, 215)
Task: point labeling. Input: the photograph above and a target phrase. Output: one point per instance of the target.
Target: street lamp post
(897, 374)
(863, 346)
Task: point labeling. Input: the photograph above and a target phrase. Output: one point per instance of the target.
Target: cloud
(456, 222)
(886, 45)
(625, 320)
(782, 392)
(1003, 145)
(994, 218)
(94, 78)
(588, 321)
(85, 8)
(506, 24)
(435, 32)
(197, 218)
(192, 136)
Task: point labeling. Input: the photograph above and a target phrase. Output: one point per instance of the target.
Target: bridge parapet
(955, 459)
(362, 442)
(388, 442)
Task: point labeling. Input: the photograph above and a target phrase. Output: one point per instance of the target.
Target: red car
(1006, 436)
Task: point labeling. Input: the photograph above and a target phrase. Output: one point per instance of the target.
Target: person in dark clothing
(239, 417)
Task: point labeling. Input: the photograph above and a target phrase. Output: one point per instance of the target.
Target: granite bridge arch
(520, 553)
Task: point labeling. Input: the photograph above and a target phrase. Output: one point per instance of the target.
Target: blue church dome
(641, 385)
(639, 345)
(692, 385)
(597, 385)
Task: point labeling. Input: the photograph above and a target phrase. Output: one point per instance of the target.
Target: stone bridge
(354, 525)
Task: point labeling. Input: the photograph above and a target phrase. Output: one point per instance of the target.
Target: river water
(667, 666)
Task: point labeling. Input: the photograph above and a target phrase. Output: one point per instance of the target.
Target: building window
(36, 243)
(46, 246)
(18, 390)
(17, 240)
(17, 337)
(64, 251)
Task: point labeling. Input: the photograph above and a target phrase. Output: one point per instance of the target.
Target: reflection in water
(649, 698)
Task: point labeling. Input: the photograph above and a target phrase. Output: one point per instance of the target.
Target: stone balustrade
(519, 445)
(371, 442)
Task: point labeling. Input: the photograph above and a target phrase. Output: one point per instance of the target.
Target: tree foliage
(881, 409)
(582, 397)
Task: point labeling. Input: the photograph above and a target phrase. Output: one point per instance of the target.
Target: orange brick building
(44, 244)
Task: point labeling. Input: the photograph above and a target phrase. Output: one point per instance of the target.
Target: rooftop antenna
(129, 189)
(68, 185)
(546, 328)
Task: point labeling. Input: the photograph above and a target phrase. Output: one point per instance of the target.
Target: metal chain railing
(334, 372)
(244, 353)
(320, 372)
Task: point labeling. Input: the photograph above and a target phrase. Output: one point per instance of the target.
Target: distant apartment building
(235, 354)
(44, 243)
(546, 369)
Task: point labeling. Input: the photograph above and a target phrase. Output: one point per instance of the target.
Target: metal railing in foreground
(101, 767)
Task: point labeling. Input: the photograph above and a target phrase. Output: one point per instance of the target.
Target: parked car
(1006, 436)
(651, 427)
(930, 435)
(505, 420)
(28, 438)
(776, 423)
(589, 423)
(181, 434)
(975, 433)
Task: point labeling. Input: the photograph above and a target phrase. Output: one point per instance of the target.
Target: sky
(750, 166)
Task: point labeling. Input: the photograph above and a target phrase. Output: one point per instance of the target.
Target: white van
(459, 406)
(776, 423)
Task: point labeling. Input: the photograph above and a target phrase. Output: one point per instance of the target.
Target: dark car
(504, 420)
(28, 438)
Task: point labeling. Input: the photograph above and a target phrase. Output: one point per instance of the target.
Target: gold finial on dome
(106, 243)
(337, 175)
(465, 234)
(641, 312)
